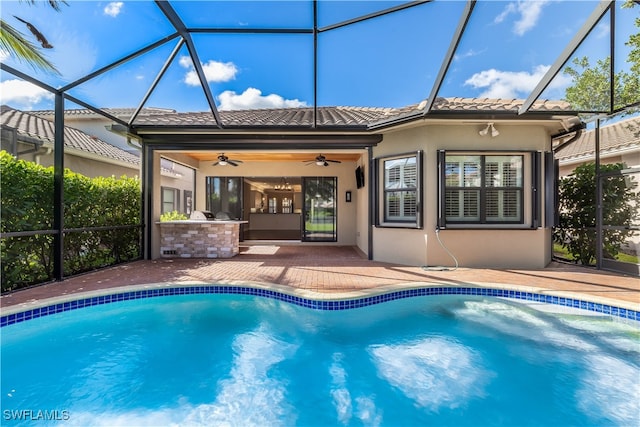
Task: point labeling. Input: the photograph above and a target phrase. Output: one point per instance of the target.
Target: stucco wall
(492, 248)
(361, 198)
(98, 127)
(87, 166)
(630, 159)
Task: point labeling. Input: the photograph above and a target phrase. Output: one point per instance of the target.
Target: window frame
(382, 191)
(528, 190)
(175, 202)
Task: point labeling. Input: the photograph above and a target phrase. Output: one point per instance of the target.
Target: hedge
(27, 205)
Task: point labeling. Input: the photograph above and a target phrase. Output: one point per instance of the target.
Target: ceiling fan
(321, 160)
(224, 160)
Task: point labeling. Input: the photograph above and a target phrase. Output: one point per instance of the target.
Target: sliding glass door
(224, 196)
(320, 215)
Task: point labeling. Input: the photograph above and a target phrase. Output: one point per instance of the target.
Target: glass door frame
(309, 209)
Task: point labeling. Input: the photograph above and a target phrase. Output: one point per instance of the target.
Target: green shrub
(27, 205)
(577, 205)
(172, 216)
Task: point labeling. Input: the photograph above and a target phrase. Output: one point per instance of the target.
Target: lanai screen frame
(184, 36)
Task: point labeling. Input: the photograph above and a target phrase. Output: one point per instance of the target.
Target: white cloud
(185, 61)
(22, 94)
(468, 54)
(252, 98)
(4, 55)
(529, 12)
(113, 9)
(214, 71)
(603, 29)
(509, 84)
(509, 9)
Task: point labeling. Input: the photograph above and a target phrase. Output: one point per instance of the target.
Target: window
(400, 180)
(273, 205)
(170, 199)
(286, 205)
(224, 195)
(482, 188)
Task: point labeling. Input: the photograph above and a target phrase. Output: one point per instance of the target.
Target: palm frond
(16, 45)
(55, 4)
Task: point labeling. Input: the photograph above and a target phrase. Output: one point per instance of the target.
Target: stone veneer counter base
(199, 239)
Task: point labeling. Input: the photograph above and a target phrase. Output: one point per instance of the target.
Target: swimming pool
(419, 358)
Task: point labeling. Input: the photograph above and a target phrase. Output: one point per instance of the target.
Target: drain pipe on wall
(131, 144)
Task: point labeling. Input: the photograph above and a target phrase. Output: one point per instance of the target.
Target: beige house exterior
(31, 138)
(91, 149)
(432, 242)
(487, 246)
(372, 141)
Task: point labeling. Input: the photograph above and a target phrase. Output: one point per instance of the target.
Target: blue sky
(390, 61)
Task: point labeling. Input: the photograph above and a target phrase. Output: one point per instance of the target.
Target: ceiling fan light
(320, 163)
(222, 163)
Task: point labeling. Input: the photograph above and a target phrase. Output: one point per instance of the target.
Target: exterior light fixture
(490, 127)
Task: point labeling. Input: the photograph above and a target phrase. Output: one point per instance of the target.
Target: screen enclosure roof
(357, 65)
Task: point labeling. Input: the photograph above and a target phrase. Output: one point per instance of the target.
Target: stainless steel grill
(202, 215)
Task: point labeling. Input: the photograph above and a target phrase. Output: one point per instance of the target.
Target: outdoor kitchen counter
(199, 238)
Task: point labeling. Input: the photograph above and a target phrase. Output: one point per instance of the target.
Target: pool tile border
(331, 305)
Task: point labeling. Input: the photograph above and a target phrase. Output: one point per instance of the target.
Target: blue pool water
(246, 360)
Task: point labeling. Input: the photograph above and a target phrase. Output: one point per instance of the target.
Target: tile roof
(124, 113)
(341, 116)
(493, 104)
(37, 127)
(326, 116)
(620, 136)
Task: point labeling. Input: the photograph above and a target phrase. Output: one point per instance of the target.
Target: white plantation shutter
(401, 189)
(482, 188)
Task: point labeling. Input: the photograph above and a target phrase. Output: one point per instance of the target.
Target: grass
(311, 226)
(627, 258)
(563, 253)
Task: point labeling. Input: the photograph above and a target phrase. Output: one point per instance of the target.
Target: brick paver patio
(335, 270)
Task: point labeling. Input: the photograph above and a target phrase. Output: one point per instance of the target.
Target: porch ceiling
(256, 156)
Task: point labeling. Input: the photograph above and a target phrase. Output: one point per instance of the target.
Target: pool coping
(321, 301)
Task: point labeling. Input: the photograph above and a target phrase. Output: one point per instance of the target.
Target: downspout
(578, 129)
(599, 218)
(577, 135)
(132, 145)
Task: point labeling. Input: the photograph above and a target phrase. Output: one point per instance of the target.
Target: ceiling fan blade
(215, 164)
(233, 162)
(333, 161)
